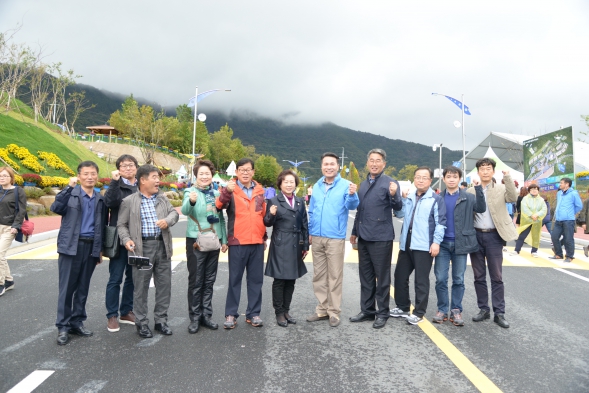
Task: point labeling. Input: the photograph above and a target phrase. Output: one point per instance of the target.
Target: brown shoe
(255, 321)
(230, 322)
(113, 325)
(316, 317)
(128, 319)
(334, 321)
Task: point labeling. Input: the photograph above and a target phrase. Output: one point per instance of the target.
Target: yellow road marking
(470, 371)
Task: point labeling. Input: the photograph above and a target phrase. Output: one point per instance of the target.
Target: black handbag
(111, 243)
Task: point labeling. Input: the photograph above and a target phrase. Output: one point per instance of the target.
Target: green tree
(224, 149)
(407, 172)
(390, 171)
(343, 173)
(267, 170)
(354, 176)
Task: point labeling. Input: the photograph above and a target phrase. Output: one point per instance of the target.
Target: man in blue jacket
(568, 204)
(79, 245)
(421, 235)
(374, 232)
(459, 240)
(333, 198)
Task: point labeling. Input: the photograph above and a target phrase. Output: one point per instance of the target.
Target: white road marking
(92, 386)
(32, 381)
(572, 274)
(27, 340)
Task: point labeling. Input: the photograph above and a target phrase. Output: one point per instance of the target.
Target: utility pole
(342, 157)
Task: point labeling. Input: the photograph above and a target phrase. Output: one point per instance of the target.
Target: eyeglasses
(375, 161)
(127, 166)
(4, 175)
(420, 178)
(245, 170)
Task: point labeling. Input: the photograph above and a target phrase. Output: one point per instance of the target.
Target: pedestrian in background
(583, 219)
(199, 206)
(568, 204)
(333, 198)
(122, 184)
(144, 223)
(287, 215)
(518, 204)
(533, 211)
(10, 222)
(374, 233)
(79, 245)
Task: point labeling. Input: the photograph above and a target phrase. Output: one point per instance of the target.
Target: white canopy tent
(501, 166)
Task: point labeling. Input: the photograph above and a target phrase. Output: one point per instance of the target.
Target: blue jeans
(441, 268)
(567, 229)
(116, 267)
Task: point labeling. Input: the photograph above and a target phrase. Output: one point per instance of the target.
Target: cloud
(370, 66)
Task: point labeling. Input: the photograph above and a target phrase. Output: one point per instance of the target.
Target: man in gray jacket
(144, 225)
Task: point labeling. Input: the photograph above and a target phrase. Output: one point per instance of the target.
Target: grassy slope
(14, 128)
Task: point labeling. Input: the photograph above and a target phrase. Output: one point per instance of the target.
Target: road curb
(38, 237)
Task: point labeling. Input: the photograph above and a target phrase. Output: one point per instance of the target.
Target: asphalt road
(545, 350)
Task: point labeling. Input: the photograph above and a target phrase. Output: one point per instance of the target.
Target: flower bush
(7, 159)
(32, 178)
(105, 180)
(53, 181)
(26, 158)
(52, 160)
(582, 174)
(173, 186)
(18, 180)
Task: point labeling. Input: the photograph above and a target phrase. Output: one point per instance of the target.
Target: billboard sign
(549, 158)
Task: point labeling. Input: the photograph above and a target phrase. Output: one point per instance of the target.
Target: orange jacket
(245, 217)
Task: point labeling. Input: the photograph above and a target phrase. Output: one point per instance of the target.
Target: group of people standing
(444, 228)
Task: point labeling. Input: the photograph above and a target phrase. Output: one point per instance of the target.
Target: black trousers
(75, 272)
(374, 268)
(202, 274)
(282, 291)
(408, 261)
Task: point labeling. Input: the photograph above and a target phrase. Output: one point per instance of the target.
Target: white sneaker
(397, 312)
(414, 319)
(513, 252)
(504, 249)
(535, 255)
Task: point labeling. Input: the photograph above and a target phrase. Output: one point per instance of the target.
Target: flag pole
(194, 133)
(463, 142)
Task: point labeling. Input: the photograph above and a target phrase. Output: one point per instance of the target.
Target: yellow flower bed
(54, 181)
(9, 161)
(582, 174)
(18, 180)
(55, 162)
(26, 158)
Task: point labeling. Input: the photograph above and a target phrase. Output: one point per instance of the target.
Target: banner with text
(549, 158)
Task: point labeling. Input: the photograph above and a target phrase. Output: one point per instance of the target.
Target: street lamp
(193, 102)
(464, 109)
(296, 163)
(434, 147)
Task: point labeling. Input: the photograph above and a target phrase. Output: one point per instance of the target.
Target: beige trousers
(6, 239)
(328, 274)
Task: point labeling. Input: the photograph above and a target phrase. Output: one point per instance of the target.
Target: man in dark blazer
(373, 231)
(79, 245)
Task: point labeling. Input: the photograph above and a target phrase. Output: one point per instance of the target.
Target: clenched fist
(73, 181)
(353, 188)
(231, 185)
(193, 196)
(116, 175)
(393, 188)
(273, 210)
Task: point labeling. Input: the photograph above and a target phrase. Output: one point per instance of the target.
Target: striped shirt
(149, 217)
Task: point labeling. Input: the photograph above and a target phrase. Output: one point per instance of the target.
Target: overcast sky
(523, 66)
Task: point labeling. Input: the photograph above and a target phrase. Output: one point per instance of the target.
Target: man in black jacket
(79, 244)
(122, 185)
(459, 240)
(373, 231)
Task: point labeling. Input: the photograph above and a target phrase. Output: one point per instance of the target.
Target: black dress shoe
(289, 319)
(81, 331)
(281, 320)
(362, 316)
(193, 327)
(481, 316)
(144, 331)
(500, 320)
(63, 338)
(206, 322)
(379, 323)
(163, 328)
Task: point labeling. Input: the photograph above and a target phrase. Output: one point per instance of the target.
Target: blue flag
(457, 164)
(455, 101)
(201, 96)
